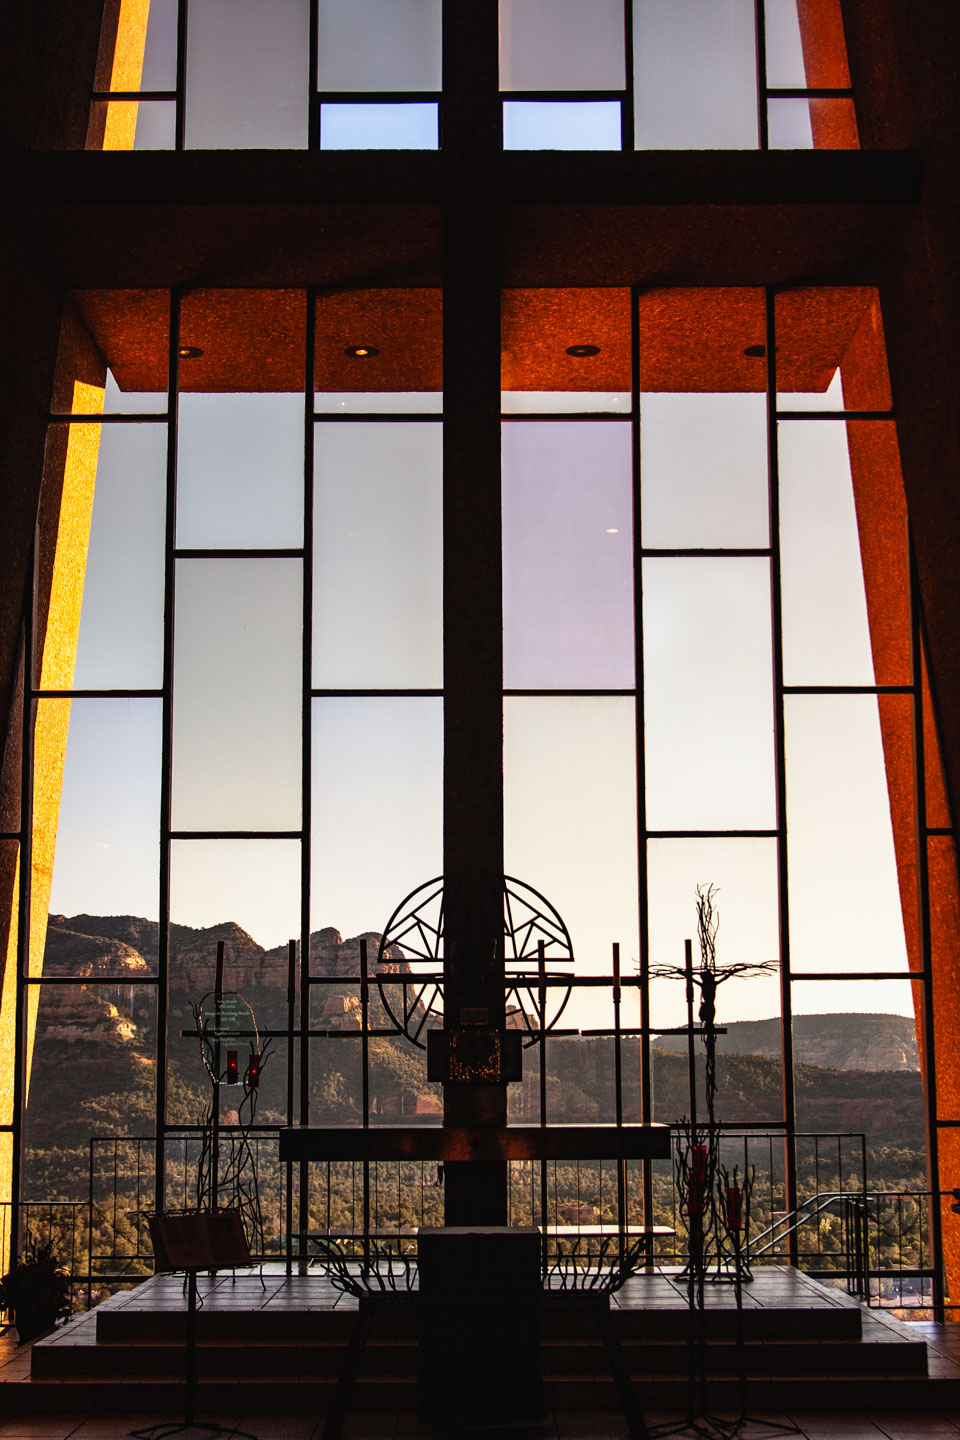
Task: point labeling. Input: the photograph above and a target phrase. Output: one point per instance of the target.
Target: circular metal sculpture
(409, 968)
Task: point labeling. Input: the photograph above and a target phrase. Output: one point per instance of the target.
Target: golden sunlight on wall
(119, 67)
(69, 482)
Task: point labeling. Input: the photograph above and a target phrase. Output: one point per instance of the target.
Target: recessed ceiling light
(613, 532)
(757, 352)
(189, 352)
(580, 352)
(361, 352)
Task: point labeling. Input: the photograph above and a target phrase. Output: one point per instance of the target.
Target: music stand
(193, 1240)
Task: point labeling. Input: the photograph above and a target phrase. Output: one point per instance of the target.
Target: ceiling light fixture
(581, 352)
(189, 352)
(361, 352)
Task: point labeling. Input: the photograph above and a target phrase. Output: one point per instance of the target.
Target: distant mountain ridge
(834, 1041)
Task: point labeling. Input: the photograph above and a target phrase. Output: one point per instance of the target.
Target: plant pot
(32, 1322)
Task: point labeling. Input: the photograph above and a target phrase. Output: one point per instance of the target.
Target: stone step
(588, 1392)
(560, 1319)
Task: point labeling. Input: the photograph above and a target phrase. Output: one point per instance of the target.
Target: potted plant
(36, 1292)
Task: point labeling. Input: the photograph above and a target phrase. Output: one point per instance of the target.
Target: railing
(876, 1243)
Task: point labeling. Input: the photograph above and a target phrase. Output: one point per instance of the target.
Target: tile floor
(943, 1343)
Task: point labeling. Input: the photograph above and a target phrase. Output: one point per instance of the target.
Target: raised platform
(279, 1345)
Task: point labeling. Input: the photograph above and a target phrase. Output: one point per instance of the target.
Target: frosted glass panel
(379, 45)
(129, 402)
(377, 807)
(237, 695)
(561, 45)
(785, 70)
(695, 75)
(120, 644)
(561, 125)
(708, 685)
(240, 471)
(844, 893)
(570, 821)
(247, 74)
(703, 470)
(788, 125)
(826, 637)
(108, 852)
(829, 399)
(378, 127)
(160, 51)
(563, 402)
(378, 572)
(368, 402)
(156, 125)
(567, 555)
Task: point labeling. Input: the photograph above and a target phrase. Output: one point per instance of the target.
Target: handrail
(796, 1220)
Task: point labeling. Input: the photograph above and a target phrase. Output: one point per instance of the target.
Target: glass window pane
(788, 125)
(377, 777)
(829, 399)
(106, 1087)
(819, 330)
(237, 695)
(563, 402)
(160, 51)
(128, 402)
(708, 687)
(379, 45)
(870, 1027)
(845, 911)
(746, 878)
(561, 125)
(695, 75)
(703, 470)
(826, 636)
(366, 402)
(133, 124)
(379, 127)
(247, 75)
(570, 818)
(821, 123)
(240, 471)
(561, 45)
(568, 555)
(247, 894)
(108, 838)
(120, 644)
(378, 541)
(156, 125)
(785, 70)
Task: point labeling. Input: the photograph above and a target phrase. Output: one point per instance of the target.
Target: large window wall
(712, 675)
(367, 75)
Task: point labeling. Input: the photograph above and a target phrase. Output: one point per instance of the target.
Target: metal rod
(786, 994)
